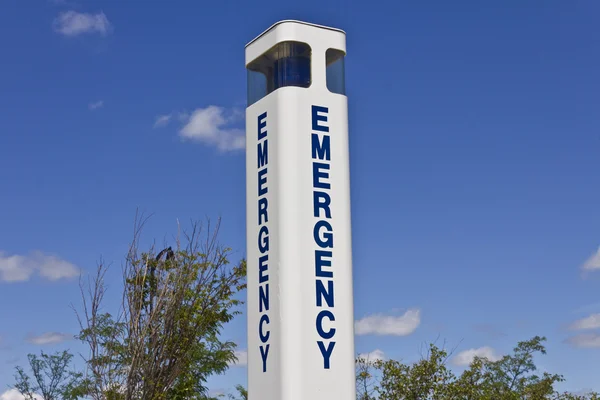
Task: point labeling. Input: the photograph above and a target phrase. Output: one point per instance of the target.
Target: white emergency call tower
(299, 255)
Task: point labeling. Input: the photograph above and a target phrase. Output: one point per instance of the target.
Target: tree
(513, 377)
(164, 342)
(365, 381)
(429, 378)
(571, 396)
(242, 393)
(52, 379)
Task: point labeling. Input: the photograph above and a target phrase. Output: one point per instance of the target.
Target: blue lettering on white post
(323, 232)
(262, 153)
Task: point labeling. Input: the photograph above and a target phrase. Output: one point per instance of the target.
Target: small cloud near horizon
(391, 325)
(466, 357)
(375, 355)
(14, 394)
(242, 359)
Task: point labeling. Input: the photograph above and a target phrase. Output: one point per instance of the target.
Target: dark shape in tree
(164, 342)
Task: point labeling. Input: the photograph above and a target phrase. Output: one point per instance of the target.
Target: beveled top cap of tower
(297, 31)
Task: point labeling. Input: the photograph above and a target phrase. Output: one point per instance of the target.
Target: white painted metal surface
(300, 297)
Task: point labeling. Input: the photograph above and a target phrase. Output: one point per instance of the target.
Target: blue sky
(474, 136)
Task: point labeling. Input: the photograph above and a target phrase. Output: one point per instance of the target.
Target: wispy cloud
(13, 394)
(73, 23)
(380, 324)
(19, 268)
(49, 338)
(585, 340)
(590, 322)
(466, 357)
(162, 120)
(375, 355)
(96, 105)
(242, 359)
(593, 262)
(165, 119)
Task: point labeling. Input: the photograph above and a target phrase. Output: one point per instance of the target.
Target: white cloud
(375, 355)
(379, 324)
(18, 268)
(165, 119)
(210, 126)
(50, 338)
(96, 105)
(162, 120)
(465, 358)
(242, 359)
(586, 340)
(73, 23)
(13, 394)
(591, 322)
(592, 263)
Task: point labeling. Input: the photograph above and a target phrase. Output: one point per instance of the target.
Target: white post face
(300, 300)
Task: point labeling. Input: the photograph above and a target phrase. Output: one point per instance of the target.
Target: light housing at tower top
(296, 54)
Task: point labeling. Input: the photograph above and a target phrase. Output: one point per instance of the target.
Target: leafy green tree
(571, 396)
(429, 378)
(513, 377)
(164, 341)
(242, 393)
(51, 378)
(365, 381)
